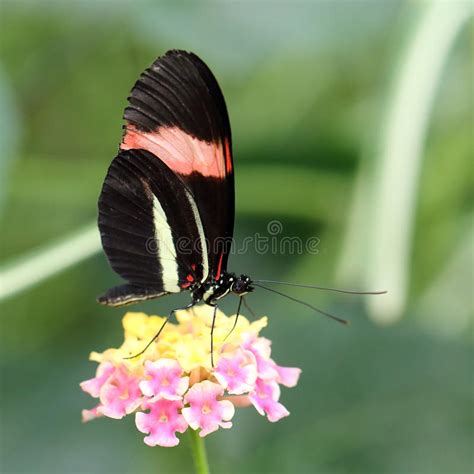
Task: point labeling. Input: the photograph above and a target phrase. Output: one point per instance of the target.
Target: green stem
(199, 452)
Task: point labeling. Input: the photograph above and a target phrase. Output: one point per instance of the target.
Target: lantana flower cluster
(172, 386)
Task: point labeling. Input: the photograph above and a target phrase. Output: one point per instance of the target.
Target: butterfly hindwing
(150, 227)
(127, 294)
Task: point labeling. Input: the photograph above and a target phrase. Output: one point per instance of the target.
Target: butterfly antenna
(236, 319)
(320, 311)
(212, 335)
(315, 287)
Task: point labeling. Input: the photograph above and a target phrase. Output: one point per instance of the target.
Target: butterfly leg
(212, 334)
(236, 318)
(248, 307)
(155, 337)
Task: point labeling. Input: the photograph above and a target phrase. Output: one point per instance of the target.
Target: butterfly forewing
(177, 112)
(166, 211)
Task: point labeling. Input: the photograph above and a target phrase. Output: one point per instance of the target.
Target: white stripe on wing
(166, 248)
(202, 237)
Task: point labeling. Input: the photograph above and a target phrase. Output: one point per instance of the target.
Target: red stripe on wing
(219, 267)
(180, 151)
(228, 157)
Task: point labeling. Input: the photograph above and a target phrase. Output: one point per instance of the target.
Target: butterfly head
(241, 285)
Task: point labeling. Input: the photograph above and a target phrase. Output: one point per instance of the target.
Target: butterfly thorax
(213, 290)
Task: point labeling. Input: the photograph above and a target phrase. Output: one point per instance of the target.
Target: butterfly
(166, 210)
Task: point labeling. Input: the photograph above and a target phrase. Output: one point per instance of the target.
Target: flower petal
(237, 371)
(120, 395)
(93, 386)
(161, 423)
(206, 411)
(265, 400)
(164, 379)
(88, 415)
(288, 376)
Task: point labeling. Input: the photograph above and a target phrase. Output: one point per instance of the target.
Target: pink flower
(88, 415)
(265, 400)
(260, 347)
(162, 422)
(205, 411)
(164, 380)
(120, 395)
(173, 387)
(103, 372)
(288, 376)
(266, 367)
(237, 372)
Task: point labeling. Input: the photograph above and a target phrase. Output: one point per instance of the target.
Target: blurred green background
(309, 87)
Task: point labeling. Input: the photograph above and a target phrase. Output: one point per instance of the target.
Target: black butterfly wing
(150, 229)
(177, 112)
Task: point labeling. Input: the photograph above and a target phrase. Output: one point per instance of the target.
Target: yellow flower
(140, 325)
